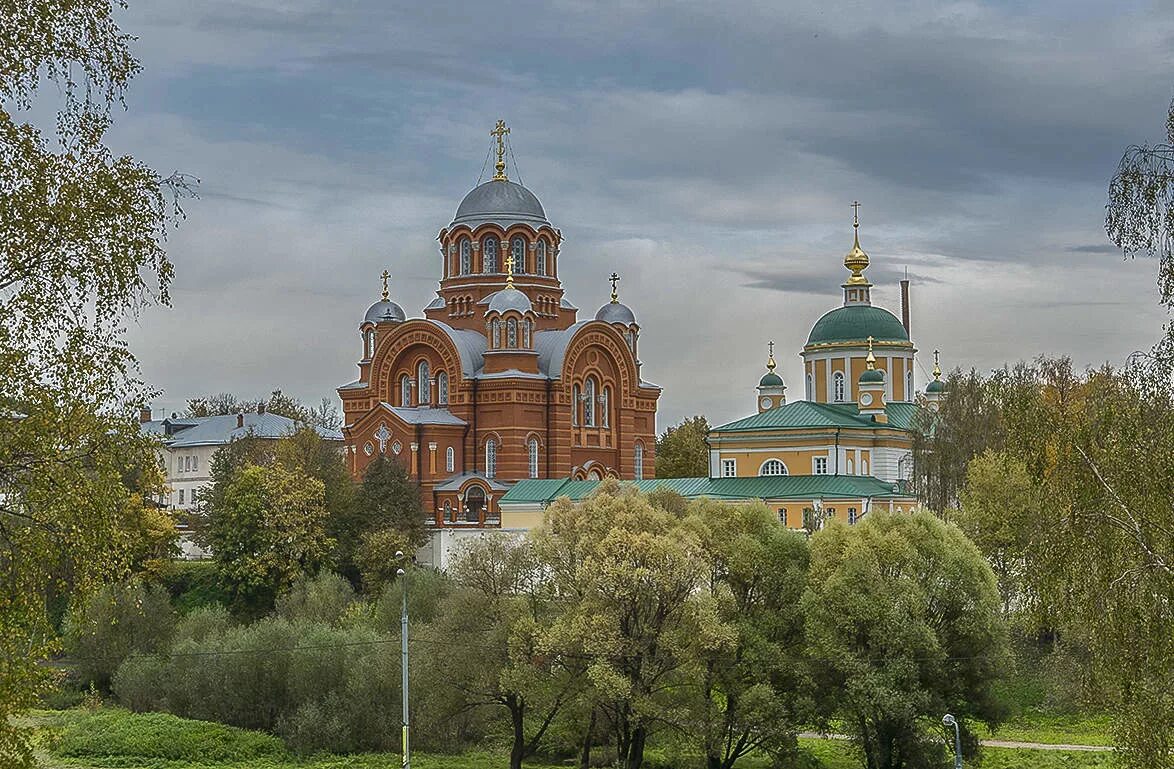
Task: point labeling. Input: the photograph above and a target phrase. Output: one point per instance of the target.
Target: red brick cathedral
(500, 380)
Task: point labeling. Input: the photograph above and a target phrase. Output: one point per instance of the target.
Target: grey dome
(500, 201)
(509, 299)
(384, 311)
(614, 312)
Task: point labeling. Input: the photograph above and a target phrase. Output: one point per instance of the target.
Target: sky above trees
(707, 152)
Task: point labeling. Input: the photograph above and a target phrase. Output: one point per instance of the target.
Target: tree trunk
(585, 752)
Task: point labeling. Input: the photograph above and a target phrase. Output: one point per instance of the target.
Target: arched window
(450, 459)
(495, 324)
(423, 383)
(575, 405)
(533, 457)
(638, 462)
(527, 327)
(405, 390)
(518, 251)
(489, 255)
(540, 257)
(589, 402)
(511, 333)
(773, 467)
(909, 385)
(837, 387)
(442, 388)
(369, 343)
(466, 256)
(605, 405)
(491, 458)
(810, 388)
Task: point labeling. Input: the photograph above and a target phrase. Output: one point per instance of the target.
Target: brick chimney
(905, 301)
(240, 419)
(144, 414)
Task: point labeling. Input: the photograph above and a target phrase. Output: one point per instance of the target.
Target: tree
(80, 251)
(681, 451)
(1139, 217)
(268, 530)
(628, 573)
(490, 640)
(754, 690)
(386, 513)
(903, 625)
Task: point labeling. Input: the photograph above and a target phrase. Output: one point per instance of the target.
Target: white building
(188, 443)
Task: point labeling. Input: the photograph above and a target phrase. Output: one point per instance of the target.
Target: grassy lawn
(111, 738)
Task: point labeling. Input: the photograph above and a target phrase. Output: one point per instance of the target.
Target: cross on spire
(499, 132)
(386, 277)
(615, 294)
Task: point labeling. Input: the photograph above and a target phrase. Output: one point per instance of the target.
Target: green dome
(855, 323)
(771, 379)
(872, 375)
(936, 386)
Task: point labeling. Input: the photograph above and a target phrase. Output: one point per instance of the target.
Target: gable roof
(809, 414)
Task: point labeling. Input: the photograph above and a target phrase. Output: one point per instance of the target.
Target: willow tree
(80, 250)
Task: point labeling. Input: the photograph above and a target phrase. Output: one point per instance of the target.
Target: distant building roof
(219, 430)
(761, 487)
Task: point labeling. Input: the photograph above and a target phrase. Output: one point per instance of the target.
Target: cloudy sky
(707, 151)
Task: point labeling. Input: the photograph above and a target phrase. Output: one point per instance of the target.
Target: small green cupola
(871, 389)
(772, 391)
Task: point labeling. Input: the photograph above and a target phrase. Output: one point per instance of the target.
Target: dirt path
(985, 743)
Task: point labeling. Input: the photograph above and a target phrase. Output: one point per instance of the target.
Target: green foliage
(681, 451)
(114, 622)
(324, 599)
(116, 732)
(268, 529)
(903, 625)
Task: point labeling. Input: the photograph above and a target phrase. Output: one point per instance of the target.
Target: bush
(111, 733)
(117, 621)
(324, 599)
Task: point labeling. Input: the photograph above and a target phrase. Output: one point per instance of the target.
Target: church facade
(499, 380)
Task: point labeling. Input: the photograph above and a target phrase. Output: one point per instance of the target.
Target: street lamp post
(948, 721)
(403, 635)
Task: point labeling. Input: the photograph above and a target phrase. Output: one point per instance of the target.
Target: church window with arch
(511, 333)
(773, 467)
(589, 390)
(442, 388)
(424, 383)
(838, 387)
(489, 254)
(491, 458)
(518, 250)
(540, 257)
(638, 461)
(466, 257)
(405, 390)
(533, 457)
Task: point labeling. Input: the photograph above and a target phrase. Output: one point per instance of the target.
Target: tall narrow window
(589, 402)
(466, 257)
(490, 458)
(540, 257)
(518, 250)
(638, 462)
(511, 333)
(424, 383)
(533, 457)
(575, 405)
(450, 459)
(605, 406)
(405, 390)
(837, 387)
(442, 388)
(489, 255)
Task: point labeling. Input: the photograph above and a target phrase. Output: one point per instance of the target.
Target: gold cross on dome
(499, 132)
(386, 277)
(615, 294)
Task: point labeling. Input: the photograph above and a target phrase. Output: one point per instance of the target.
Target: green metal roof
(855, 323)
(761, 487)
(809, 414)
